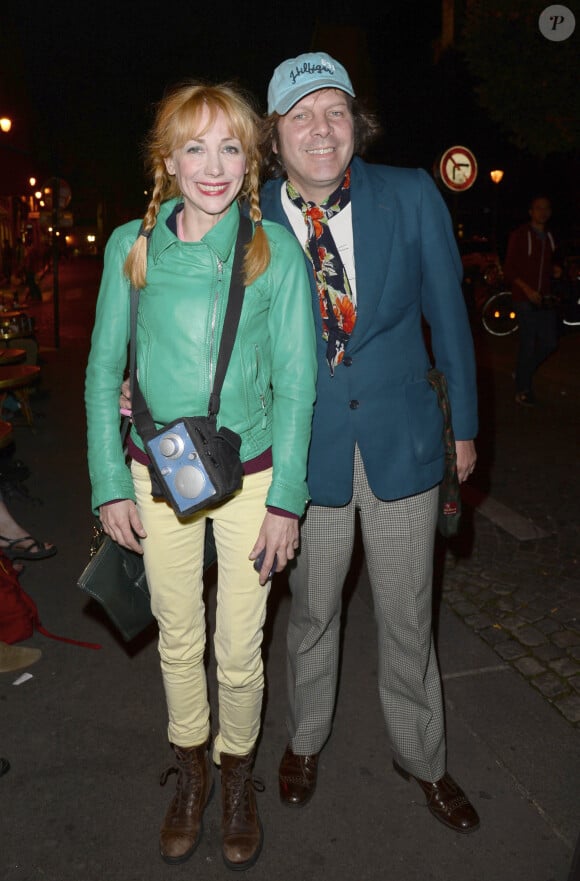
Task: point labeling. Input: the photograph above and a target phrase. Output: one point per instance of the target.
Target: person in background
(381, 255)
(528, 271)
(203, 157)
(7, 261)
(32, 265)
(15, 541)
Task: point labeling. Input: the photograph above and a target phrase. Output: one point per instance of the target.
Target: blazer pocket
(425, 422)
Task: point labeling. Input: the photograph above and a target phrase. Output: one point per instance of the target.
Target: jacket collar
(220, 239)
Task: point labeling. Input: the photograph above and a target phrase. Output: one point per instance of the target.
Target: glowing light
(496, 175)
(5, 124)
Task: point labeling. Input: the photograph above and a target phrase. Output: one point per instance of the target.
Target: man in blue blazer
(383, 261)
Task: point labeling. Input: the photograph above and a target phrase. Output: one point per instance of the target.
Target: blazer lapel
(373, 220)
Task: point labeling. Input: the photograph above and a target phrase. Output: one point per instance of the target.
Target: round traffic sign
(458, 168)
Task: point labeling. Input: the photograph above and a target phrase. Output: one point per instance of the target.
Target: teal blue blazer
(410, 311)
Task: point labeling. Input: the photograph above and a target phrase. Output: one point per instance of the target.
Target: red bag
(18, 613)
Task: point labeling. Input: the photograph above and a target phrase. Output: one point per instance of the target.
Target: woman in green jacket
(203, 158)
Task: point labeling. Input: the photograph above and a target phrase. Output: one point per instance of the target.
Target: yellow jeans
(173, 553)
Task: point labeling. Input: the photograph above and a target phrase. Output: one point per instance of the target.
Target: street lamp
(5, 124)
(496, 175)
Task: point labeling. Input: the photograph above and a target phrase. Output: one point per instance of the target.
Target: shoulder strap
(141, 416)
(233, 312)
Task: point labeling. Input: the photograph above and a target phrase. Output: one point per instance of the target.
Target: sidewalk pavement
(85, 735)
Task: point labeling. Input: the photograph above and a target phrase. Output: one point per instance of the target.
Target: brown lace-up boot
(241, 827)
(182, 826)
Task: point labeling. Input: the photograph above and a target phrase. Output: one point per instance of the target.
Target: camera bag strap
(141, 416)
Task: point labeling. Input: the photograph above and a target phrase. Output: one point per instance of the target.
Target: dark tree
(526, 83)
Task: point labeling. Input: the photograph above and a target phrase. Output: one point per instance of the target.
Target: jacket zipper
(262, 398)
(220, 267)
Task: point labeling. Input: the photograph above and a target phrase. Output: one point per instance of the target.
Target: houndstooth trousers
(398, 539)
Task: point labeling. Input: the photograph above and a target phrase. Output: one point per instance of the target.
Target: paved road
(516, 578)
(86, 733)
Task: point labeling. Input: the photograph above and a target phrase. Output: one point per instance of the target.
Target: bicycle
(486, 298)
(498, 315)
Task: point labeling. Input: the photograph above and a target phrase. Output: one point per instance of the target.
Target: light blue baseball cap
(297, 77)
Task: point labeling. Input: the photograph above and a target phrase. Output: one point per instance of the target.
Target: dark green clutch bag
(115, 578)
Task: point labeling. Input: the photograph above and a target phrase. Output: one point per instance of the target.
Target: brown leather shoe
(241, 828)
(297, 778)
(182, 826)
(446, 801)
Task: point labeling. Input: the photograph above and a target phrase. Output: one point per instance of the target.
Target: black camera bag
(219, 453)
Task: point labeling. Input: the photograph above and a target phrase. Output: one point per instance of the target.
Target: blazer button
(353, 405)
(347, 361)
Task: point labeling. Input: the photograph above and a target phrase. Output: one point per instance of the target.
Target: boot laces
(242, 783)
(186, 771)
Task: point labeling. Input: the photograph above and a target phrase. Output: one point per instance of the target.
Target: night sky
(81, 78)
(90, 73)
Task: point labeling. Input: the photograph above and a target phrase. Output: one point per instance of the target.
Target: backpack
(18, 612)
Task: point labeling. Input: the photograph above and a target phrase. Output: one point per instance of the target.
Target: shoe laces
(185, 771)
(238, 792)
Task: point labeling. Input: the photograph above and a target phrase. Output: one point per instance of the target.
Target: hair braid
(136, 262)
(258, 251)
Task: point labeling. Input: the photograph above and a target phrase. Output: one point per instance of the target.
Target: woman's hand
(281, 537)
(122, 523)
(466, 459)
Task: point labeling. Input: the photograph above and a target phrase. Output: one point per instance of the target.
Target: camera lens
(171, 446)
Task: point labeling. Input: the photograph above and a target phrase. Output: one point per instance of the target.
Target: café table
(18, 379)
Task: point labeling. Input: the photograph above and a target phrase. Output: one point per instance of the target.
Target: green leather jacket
(269, 389)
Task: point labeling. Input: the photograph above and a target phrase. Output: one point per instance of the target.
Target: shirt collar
(220, 239)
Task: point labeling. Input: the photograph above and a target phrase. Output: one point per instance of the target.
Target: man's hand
(531, 293)
(466, 459)
(534, 296)
(280, 536)
(122, 523)
(125, 398)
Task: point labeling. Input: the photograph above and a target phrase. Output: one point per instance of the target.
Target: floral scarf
(337, 309)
